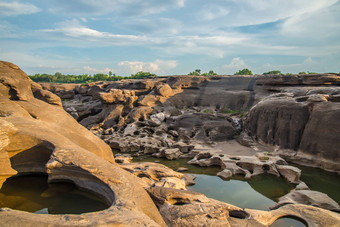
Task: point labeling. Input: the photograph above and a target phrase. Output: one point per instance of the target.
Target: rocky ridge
(188, 123)
(296, 116)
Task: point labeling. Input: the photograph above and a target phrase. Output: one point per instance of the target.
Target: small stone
(225, 174)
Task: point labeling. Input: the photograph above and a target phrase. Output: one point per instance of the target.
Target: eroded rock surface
(38, 136)
(300, 117)
(285, 112)
(308, 197)
(168, 117)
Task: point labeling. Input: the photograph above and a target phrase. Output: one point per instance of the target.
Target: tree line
(85, 78)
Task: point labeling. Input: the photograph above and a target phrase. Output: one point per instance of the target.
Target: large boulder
(278, 121)
(321, 135)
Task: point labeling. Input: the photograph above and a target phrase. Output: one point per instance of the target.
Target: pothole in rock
(289, 221)
(34, 194)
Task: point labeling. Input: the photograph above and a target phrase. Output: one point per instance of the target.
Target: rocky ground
(246, 125)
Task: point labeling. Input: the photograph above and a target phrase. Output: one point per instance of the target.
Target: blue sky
(169, 37)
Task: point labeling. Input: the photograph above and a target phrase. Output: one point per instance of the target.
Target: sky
(170, 37)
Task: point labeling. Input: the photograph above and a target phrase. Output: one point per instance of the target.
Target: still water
(260, 192)
(32, 193)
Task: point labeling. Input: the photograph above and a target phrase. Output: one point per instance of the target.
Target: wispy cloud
(123, 8)
(76, 31)
(317, 26)
(17, 8)
(208, 45)
(159, 26)
(98, 35)
(250, 12)
(211, 12)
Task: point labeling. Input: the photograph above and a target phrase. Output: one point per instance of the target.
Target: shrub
(272, 72)
(244, 72)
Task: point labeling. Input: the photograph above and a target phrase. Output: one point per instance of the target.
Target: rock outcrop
(38, 136)
(165, 117)
(285, 111)
(248, 166)
(308, 197)
(301, 117)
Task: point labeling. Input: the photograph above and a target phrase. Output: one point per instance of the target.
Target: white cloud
(251, 12)
(74, 30)
(153, 67)
(89, 69)
(16, 8)
(211, 12)
(317, 26)
(121, 8)
(234, 65)
(159, 26)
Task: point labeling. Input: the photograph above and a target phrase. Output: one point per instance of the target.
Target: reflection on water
(236, 192)
(287, 222)
(322, 181)
(260, 192)
(270, 186)
(32, 193)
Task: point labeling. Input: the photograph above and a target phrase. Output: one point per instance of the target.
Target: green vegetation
(197, 72)
(208, 111)
(307, 73)
(85, 78)
(229, 111)
(244, 72)
(141, 75)
(272, 72)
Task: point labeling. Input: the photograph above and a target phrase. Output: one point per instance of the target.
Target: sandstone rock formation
(165, 117)
(186, 208)
(247, 166)
(38, 136)
(285, 111)
(308, 197)
(300, 117)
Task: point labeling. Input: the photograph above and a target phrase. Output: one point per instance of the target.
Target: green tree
(197, 72)
(272, 72)
(210, 73)
(141, 75)
(244, 72)
(85, 78)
